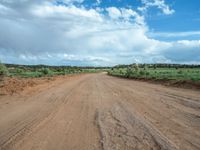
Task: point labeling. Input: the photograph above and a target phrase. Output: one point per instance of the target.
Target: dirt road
(96, 111)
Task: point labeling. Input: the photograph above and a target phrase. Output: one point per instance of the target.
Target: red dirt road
(100, 112)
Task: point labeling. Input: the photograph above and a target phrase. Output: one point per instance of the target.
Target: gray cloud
(184, 51)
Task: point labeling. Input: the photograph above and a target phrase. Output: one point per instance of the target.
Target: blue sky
(99, 32)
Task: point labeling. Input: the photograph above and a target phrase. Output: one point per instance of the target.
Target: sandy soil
(100, 112)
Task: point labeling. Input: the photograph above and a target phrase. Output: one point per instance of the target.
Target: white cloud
(71, 1)
(114, 12)
(125, 14)
(71, 57)
(128, 13)
(35, 32)
(63, 12)
(156, 3)
(187, 43)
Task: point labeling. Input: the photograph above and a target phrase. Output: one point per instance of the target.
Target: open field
(97, 111)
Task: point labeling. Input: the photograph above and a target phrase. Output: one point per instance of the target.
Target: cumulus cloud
(44, 32)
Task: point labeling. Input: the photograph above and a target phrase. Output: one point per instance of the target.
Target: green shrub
(128, 72)
(19, 71)
(142, 73)
(46, 71)
(180, 71)
(3, 70)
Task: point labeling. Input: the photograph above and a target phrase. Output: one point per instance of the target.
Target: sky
(99, 32)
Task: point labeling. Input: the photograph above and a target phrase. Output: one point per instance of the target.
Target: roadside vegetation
(163, 72)
(158, 72)
(3, 71)
(33, 71)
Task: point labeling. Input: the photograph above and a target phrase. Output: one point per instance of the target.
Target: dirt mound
(9, 86)
(15, 85)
